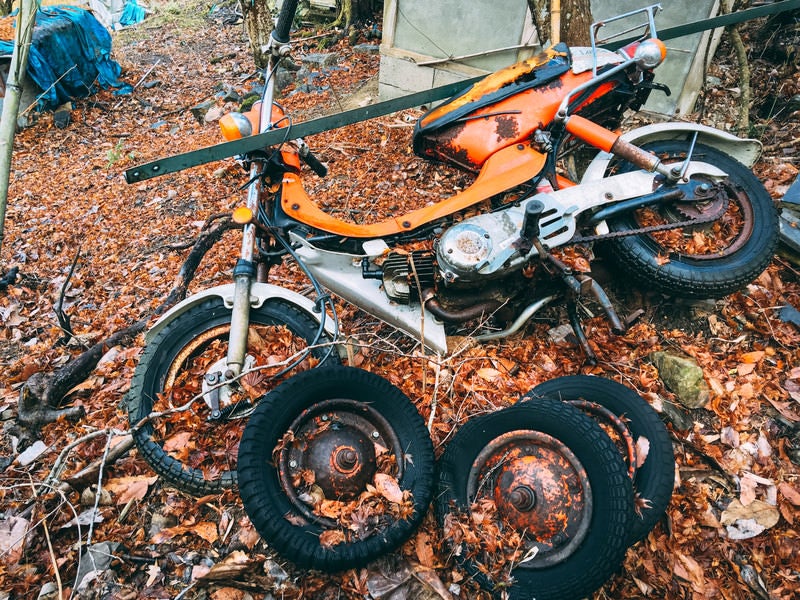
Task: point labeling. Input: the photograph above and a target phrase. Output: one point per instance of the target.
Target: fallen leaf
(752, 357)
(154, 574)
(424, 549)
(790, 493)
(430, 578)
(387, 486)
(693, 572)
(488, 373)
(331, 537)
(126, 489)
(783, 408)
(206, 530)
(642, 450)
(31, 453)
(12, 538)
(247, 533)
(743, 522)
(230, 567)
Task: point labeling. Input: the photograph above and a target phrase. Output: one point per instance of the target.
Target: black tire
(653, 480)
(513, 451)
(205, 460)
(286, 438)
(751, 222)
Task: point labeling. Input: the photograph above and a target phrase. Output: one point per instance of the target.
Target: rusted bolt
(292, 464)
(346, 459)
(522, 498)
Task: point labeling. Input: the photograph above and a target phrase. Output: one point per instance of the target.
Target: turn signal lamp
(238, 125)
(650, 53)
(242, 215)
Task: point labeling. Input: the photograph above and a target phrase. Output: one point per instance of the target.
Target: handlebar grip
(314, 164)
(285, 18)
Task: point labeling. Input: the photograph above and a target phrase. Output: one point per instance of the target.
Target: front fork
(243, 275)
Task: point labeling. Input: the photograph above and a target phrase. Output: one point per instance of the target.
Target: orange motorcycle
(675, 204)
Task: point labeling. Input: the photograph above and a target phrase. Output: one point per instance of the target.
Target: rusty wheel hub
(539, 488)
(343, 460)
(334, 447)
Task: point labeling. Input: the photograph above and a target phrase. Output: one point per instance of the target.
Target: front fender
(746, 151)
(259, 293)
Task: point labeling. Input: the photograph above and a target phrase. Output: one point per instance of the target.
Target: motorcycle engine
(401, 272)
(480, 248)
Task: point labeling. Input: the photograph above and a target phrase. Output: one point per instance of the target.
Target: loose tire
(557, 480)
(325, 435)
(730, 252)
(188, 449)
(653, 480)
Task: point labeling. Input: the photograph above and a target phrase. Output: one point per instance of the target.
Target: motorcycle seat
(536, 71)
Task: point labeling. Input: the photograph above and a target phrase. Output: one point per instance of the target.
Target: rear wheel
(535, 496)
(643, 437)
(707, 260)
(336, 468)
(186, 444)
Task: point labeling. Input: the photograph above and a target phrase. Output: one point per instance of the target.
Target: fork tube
(245, 270)
(243, 275)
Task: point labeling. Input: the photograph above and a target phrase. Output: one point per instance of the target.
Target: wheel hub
(334, 446)
(343, 460)
(539, 488)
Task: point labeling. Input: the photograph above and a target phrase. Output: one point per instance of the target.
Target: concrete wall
(427, 43)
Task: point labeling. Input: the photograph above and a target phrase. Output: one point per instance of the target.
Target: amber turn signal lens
(242, 215)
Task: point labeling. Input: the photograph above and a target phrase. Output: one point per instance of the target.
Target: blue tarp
(70, 43)
(131, 14)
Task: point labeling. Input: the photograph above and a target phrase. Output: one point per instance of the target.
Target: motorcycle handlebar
(314, 163)
(285, 18)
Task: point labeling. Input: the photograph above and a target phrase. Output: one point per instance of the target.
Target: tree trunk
(8, 121)
(355, 11)
(576, 18)
(258, 25)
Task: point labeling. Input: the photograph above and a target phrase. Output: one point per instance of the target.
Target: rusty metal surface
(333, 447)
(540, 488)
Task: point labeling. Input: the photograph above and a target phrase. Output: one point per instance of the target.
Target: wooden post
(555, 21)
(8, 121)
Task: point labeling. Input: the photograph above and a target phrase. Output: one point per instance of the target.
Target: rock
(199, 110)
(283, 79)
(94, 560)
(49, 591)
(680, 418)
(159, 522)
(62, 115)
(319, 60)
(366, 48)
(712, 81)
(213, 114)
(683, 377)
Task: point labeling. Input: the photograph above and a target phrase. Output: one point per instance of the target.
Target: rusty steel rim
(625, 441)
(539, 488)
(336, 440)
(716, 203)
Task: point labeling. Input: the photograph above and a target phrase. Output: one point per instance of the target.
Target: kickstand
(575, 321)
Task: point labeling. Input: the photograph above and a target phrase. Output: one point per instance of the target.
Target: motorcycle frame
(342, 274)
